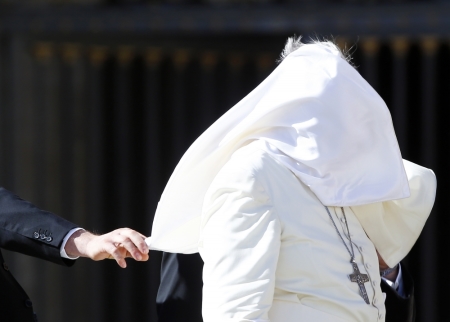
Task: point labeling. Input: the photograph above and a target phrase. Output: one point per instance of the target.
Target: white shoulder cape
(320, 118)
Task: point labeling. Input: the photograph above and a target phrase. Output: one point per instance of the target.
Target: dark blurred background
(100, 98)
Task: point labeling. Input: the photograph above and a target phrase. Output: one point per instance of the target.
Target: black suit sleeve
(26, 229)
(398, 308)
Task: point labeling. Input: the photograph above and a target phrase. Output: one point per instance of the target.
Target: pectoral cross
(359, 278)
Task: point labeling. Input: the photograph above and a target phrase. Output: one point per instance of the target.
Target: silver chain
(352, 253)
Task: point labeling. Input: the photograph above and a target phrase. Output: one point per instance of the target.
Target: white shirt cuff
(62, 251)
(398, 284)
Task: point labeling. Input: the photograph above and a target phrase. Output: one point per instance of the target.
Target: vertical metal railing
(154, 165)
(95, 123)
(122, 154)
(429, 155)
(48, 150)
(178, 105)
(370, 48)
(400, 47)
(22, 136)
(208, 85)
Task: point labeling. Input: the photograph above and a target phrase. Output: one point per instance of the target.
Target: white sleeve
(398, 284)
(62, 250)
(239, 244)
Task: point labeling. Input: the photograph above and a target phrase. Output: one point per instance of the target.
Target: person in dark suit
(180, 292)
(26, 229)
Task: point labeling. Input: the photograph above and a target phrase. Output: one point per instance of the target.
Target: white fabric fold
(394, 226)
(318, 117)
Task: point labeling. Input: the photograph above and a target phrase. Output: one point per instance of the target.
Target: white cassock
(272, 253)
(249, 195)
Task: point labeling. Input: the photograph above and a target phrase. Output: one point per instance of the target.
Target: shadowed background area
(99, 100)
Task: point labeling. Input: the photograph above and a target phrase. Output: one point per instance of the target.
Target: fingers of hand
(117, 253)
(121, 262)
(127, 248)
(121, 249)
(137, 239)
(131, 248)
(123, 243)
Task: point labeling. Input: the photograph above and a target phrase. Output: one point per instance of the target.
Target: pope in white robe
(278, 196)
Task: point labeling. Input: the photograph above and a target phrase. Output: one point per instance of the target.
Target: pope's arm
(239, 243)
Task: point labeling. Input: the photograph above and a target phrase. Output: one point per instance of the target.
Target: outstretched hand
(118, 244)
